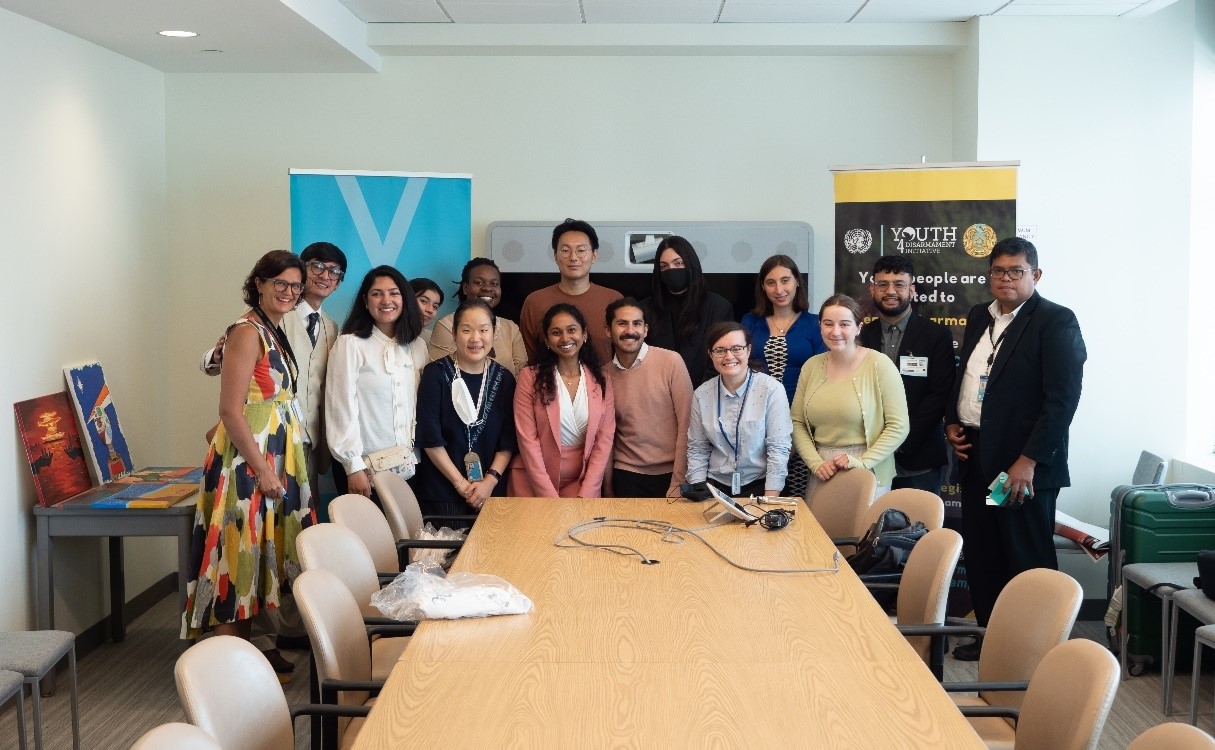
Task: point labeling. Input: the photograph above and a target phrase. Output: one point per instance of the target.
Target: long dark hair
(693, 297)
(763, 305)
(359, 321)
(546, 359)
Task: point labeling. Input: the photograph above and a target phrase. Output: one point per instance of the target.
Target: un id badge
(982, 387)
(472, 467)
(735, 483)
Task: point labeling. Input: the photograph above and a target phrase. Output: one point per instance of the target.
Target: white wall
(82, 187)
(1098, 112)
(606, 138)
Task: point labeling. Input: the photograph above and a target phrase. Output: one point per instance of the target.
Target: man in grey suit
(1022, 362)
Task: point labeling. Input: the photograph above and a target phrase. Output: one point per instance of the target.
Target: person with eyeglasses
(254, 497)
(923, 353)
(482, 280)
(1022, 363)
(375, 367)
(575, 250)
(682, 307)
(849, 411)
(310, 333)
(740, 433)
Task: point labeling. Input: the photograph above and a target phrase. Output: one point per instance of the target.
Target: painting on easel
(109, 456)
(52, 447)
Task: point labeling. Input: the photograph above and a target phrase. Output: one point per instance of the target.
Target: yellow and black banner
(944, 217)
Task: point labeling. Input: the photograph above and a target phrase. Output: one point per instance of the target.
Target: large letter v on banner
(381, 252)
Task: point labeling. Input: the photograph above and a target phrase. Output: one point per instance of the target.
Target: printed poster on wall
(419, 223)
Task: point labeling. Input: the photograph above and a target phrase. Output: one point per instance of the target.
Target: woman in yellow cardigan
(849, 410)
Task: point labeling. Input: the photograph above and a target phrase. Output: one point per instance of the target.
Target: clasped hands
(828, 469)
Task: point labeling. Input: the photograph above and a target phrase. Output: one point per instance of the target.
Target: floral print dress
(243, 551)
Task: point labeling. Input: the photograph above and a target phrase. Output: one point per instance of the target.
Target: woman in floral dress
(255, 497)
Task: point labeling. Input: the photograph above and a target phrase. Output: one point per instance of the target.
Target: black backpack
(885, 547)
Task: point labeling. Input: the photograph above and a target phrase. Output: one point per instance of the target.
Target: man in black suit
(923, 352)
(1022, 361)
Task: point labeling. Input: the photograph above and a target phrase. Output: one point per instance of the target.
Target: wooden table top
(689, 652)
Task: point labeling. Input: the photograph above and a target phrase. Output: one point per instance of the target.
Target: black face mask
(675, 280)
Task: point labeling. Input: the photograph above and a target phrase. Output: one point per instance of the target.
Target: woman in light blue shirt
(740, 429)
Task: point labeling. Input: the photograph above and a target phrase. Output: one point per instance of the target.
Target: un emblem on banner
(978, 240)
(858, 240)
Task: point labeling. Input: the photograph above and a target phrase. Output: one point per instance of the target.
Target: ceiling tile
(736, 12)
(651, 13)
(894, 11)
(1072, 8)
(396, 11)
(515, 12)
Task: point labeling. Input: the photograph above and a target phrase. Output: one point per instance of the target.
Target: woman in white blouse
(372, 382)
(565, 414)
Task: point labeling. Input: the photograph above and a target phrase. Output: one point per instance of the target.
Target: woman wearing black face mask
(681, 309)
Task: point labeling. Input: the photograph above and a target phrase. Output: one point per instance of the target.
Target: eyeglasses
(721, 351)
(581, 251)
(320, 269)
(1016, 274)
(282, 286)
(897, 285)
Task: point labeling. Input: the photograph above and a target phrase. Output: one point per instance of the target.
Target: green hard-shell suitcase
(1157, 523)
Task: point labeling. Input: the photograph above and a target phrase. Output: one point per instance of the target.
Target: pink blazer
(539, 433)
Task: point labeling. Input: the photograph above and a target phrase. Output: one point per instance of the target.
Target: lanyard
(995, 343)
(477, 418)
(738, 422)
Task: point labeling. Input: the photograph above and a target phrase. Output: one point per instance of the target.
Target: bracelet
(494, 473)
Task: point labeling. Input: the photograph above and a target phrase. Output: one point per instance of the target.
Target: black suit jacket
(1032, 391)
(924, 447)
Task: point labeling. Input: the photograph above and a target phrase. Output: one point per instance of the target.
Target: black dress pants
(1000, 542)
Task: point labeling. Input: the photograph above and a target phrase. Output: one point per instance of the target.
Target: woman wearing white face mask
(466, 422)
(850, 410)
(372, 381)
(681, 308)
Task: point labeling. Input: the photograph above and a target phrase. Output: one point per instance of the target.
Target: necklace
(781, 329)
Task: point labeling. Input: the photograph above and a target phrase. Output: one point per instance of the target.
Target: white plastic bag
(436, 556)
(423, 592)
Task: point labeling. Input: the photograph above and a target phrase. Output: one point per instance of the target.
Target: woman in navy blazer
(565, 414)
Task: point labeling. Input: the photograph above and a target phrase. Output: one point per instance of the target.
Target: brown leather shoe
(283, 668)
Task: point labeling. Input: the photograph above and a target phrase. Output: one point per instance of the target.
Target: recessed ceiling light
(178, 33)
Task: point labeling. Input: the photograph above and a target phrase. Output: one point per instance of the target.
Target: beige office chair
(1067, 701)
(1173, 736)
(838, 504)
(919, 505)
(176, 736)
(229, 690)
(1034, 613)
(344, 657)
(340, 551)
(924, 590)
(361, 516)
(405, 516)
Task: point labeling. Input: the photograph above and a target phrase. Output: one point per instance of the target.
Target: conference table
(688, 652)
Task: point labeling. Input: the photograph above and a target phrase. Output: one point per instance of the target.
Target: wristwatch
(494, 473)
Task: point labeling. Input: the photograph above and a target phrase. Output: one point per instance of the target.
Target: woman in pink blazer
(565, 414)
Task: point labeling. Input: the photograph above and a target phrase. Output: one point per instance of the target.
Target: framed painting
(52, 447)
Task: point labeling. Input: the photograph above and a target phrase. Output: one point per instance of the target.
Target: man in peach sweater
(653, 404)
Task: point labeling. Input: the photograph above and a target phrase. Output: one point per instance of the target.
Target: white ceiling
(332, 35)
